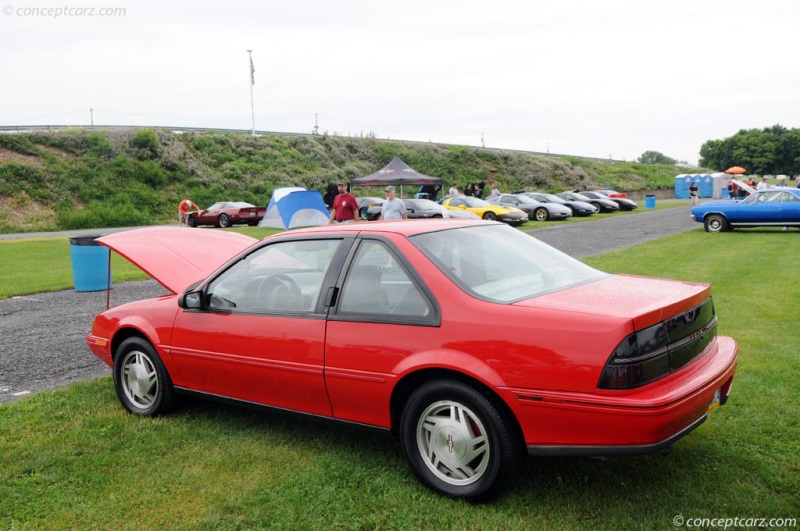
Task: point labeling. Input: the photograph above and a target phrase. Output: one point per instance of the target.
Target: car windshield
(500, 264)
(593, 195)
(553, 198)
(240, 204)
(526, 200)
(474, 202)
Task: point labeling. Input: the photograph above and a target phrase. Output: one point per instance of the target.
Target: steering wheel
(278, 292)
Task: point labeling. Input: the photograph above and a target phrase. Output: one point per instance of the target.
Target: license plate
(253, 213)
(714, 403)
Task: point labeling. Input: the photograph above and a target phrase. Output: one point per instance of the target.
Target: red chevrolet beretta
(471, 341)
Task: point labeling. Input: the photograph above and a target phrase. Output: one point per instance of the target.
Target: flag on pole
(252, 72)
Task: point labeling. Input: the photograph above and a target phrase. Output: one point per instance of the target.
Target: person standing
(183, 211)
(454, 191)
(495, 192)
(733, 193)
(469, 191)
(393, 208)
(345, 207)
(694, 193)
(763, 184)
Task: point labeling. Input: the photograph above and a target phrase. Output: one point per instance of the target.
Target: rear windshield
(501, 264)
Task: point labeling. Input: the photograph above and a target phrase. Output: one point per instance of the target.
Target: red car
(611, 193)
(471, 341)
(226, 214)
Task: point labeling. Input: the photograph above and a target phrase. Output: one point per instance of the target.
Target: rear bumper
(643, 420)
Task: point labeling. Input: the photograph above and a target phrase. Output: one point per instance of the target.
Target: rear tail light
(640, 359)
(657, 351)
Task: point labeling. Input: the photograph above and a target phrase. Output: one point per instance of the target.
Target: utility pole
(316, 125)
(252, 82)
(483, 144)
(91, 116)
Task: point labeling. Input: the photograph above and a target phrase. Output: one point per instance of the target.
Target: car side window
(378, 285)
(284, 276)
(789, 197)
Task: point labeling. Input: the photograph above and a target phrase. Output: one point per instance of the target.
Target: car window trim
(435, 319)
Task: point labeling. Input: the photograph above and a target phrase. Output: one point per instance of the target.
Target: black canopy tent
(396, 173)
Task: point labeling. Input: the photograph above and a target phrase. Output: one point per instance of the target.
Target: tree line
(770, 151)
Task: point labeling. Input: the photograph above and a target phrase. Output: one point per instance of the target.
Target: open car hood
(741, 184)
(176, 257)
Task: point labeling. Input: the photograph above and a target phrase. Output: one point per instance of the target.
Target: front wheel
(141, 380)
(459, 442)
(224, 221)
(489, 216)
(715, 223)
(191, 221)
(541, 214)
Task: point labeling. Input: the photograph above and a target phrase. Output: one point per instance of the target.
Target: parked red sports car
(470, 340)
(227, 213)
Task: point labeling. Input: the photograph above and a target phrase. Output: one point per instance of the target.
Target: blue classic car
(773, 207)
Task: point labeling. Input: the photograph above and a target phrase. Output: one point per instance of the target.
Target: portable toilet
(719, 185)
(705, 185)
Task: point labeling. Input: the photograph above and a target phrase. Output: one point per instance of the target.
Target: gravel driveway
(43, 337)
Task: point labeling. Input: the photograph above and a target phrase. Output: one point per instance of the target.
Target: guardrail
(32, 128)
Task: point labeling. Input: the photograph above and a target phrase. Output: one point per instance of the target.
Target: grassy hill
(88, 178)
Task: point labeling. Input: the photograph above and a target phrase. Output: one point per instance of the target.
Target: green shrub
(17, 142)
(99, 144)
(100, 215)
(146, 142)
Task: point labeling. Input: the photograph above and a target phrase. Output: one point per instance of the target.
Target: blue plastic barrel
(90, 265)
(649, 201)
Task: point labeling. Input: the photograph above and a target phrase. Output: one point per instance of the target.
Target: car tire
(141, 380)
(362, 214)
(191, 221)
(715, 223)
(541, 214)
(459, 442)
(489, 216)
(224, 221)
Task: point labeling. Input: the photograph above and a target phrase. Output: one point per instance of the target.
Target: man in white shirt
(763, 184)
(453, 191)
(393, 208)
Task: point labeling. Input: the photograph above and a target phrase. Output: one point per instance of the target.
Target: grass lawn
(37, 265)
(73, 458)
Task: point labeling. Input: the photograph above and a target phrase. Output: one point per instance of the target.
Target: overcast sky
(611, 78)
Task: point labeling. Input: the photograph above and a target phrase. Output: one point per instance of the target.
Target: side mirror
(191, 300)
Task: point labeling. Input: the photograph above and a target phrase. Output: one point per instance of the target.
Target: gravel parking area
(43, 337)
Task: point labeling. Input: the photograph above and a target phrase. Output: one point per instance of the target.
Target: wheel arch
(125, 333)
(408, 383)
(718, 213)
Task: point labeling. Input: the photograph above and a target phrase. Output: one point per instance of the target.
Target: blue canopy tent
(293, 207)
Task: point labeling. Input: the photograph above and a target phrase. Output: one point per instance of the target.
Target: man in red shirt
(183, 211)
(345, 207)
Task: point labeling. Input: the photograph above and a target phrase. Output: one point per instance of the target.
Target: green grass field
(73, 458)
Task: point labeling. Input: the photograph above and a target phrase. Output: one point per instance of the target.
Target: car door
(383, 313)
(766, 207)
(790, 203)
(259, 333)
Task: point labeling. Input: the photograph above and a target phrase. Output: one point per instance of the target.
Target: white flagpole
(252, 82)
